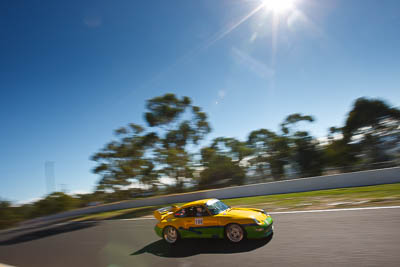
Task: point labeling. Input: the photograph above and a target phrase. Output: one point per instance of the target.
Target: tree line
(168, 146)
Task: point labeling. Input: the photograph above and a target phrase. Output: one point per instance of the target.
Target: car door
(202, 224)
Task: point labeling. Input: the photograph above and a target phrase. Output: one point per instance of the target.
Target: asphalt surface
(339, 238)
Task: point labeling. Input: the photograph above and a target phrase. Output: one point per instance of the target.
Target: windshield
(217, 207)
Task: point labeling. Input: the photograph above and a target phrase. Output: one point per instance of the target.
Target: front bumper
(260, 231)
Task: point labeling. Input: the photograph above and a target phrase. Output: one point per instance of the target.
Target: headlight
(257, 222)
(263, 211)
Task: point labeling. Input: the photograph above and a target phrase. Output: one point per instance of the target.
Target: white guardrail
(362, 178)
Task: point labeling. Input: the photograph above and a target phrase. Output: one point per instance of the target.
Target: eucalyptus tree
(126, 159)
(271, 152)
(178, 124)
(221, 163)
(232, 148)
(161, 150)
(373, 126)
(304, 150)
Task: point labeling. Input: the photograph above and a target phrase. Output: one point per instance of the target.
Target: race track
(338, 238)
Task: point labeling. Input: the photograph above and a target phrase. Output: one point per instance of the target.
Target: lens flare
(279, 6)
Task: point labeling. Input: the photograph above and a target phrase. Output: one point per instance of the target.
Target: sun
(279, 6)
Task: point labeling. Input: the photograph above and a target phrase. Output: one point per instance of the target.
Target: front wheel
(234, 233)
(170, 234)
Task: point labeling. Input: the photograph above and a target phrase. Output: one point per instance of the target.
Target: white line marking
(5, 265)
(137, 219)
(328, 210)
(292, 212)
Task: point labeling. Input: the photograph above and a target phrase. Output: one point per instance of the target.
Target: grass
(388, 194)
(119, 214)
(366, 196)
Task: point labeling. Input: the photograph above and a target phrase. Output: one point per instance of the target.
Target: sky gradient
(71, 72)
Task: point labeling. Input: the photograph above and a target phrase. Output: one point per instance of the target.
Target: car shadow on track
(190, 247)
(58, 229)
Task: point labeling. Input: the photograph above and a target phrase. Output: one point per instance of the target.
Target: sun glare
(279, 6)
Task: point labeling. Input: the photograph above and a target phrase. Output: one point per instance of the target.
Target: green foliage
(176, 164)
(167, 112)
(178, 124)
(307, 156)
(165, 109)
(54, 203)
(372, 116)
(340, 154)
(271, 152)
(8, 215)
(292, 119)
(121, 161)
(221, 171)
(293, 148)
(232, 148)
(174, 124)
(375, 127)
(146, 155)
(221, 162)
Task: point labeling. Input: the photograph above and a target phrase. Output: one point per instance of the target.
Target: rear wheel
(234, 233)
(170, 234)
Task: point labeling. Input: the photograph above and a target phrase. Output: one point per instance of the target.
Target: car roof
(197, 202)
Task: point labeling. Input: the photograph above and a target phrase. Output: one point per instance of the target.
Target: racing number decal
(198, 221)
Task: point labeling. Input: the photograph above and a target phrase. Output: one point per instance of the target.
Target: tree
(375, 127)
(232, 148)
(307, 155)
(339, 154)
(219, 169)
(54, 203)
(291, 120)
(271, 152)
(222, 163)
(8, 216)
(123, 160)
(178, 124)
(304, 148)
(146, 155)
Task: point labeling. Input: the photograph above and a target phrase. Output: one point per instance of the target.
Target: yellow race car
(211, 218)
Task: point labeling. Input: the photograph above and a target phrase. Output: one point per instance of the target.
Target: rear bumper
(158, 231)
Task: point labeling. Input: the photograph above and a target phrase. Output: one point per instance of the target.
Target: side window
(191, 211)
(181, 213)
(194, 211)
(201, 211)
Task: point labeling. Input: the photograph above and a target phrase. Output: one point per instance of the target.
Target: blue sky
(71, 72)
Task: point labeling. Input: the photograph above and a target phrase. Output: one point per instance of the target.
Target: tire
(170, 235)
(235, 233)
